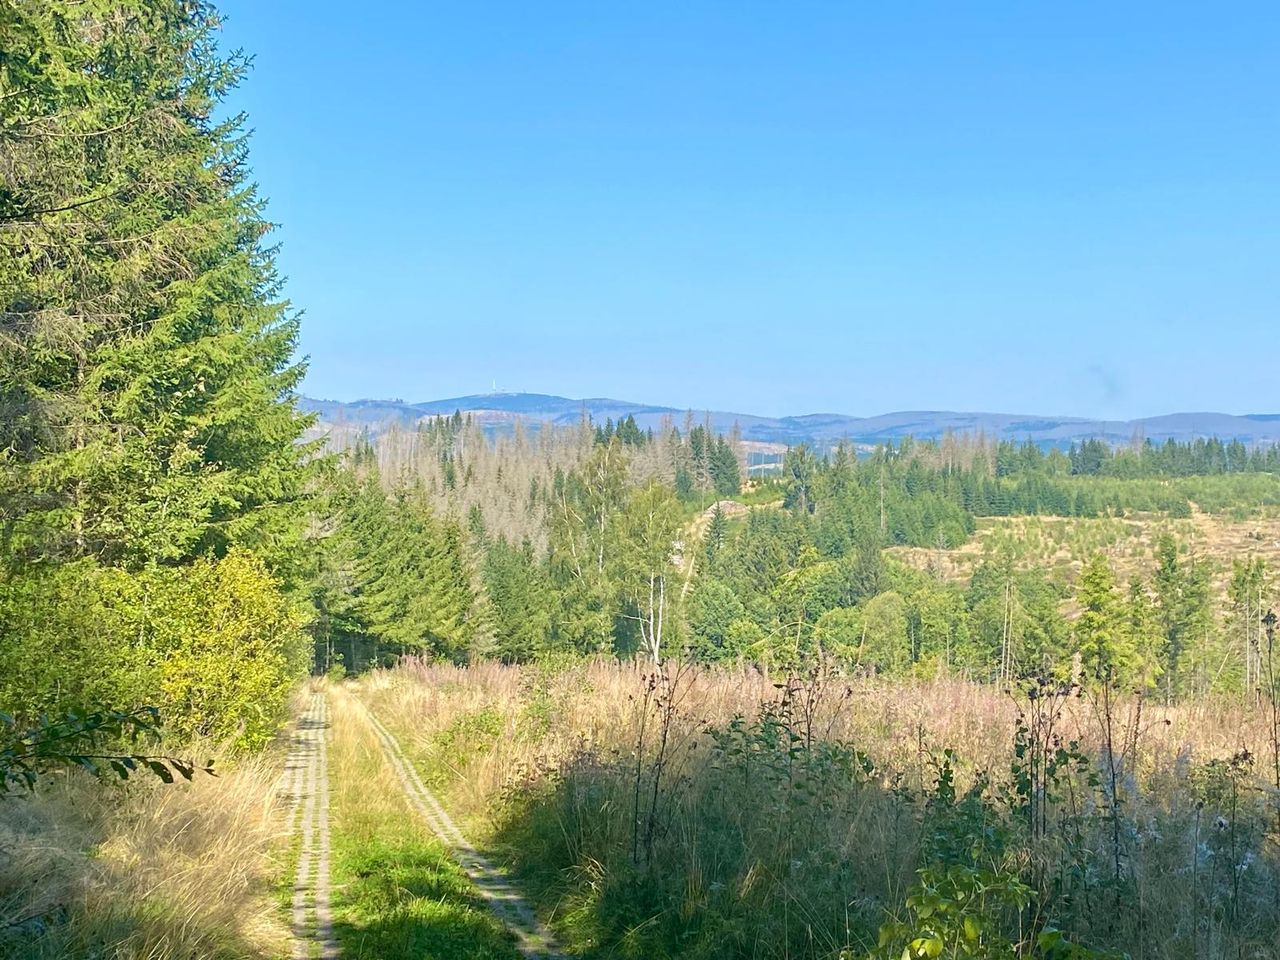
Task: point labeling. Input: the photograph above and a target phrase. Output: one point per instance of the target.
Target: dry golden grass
(1061, 545)
(146, 870)
(494, 736)
(595, 704)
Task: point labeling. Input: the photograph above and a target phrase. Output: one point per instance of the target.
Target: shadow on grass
(730, 870)
(404, 898)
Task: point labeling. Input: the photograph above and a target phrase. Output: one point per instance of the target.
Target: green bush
(214, 645)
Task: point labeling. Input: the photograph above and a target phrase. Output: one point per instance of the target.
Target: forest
(562, 543)
(590, 691)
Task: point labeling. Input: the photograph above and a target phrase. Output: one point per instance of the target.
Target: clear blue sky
(778, 207)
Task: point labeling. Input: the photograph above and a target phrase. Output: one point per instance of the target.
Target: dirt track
(532, 939)
(307, 776)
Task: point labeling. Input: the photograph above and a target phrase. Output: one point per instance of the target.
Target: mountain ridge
(499, 411)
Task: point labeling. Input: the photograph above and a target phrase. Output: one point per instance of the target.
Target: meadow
(722, 813)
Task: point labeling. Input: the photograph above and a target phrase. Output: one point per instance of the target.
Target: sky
(777, 208)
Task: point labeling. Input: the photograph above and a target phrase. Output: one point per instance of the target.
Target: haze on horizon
(778, 210)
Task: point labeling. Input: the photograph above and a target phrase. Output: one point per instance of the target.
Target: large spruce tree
(146, 370)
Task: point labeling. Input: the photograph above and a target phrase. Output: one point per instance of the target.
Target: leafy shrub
(971, 898)
(214, 645)
(337, 671)
(962, 911)
(86, 741)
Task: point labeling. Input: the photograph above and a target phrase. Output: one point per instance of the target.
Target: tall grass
(715, 813)
(143, 869)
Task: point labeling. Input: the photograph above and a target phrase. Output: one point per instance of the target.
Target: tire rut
(307, 772)
(532, 938)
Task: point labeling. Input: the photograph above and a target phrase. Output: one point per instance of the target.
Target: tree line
(625, 561)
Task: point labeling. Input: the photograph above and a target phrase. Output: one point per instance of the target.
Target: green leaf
(1049, 939)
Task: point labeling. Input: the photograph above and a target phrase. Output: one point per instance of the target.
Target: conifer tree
(726, 475)
(147, 426)
(716, 536)
(798, 470)
(408, 576)
(1246, 592)
(146, 370)
(1103, 641)
(1144, 631)
(522, 600)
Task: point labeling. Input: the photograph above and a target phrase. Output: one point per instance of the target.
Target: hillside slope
(500, 410)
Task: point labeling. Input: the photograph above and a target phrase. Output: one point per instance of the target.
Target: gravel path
(532, 939)
(307, 773)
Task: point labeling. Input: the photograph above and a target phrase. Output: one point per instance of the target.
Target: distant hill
(499, 411)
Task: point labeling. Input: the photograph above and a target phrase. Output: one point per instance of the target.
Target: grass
(144, 870)
(542, 798)
(205, 871)
(1061, 545)
(705, 814)
(772, 839)
(397, 894)
(762, 493)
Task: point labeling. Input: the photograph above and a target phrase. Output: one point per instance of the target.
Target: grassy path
(371, 883)
(398, 894)
(308, 775)
(532, 939)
